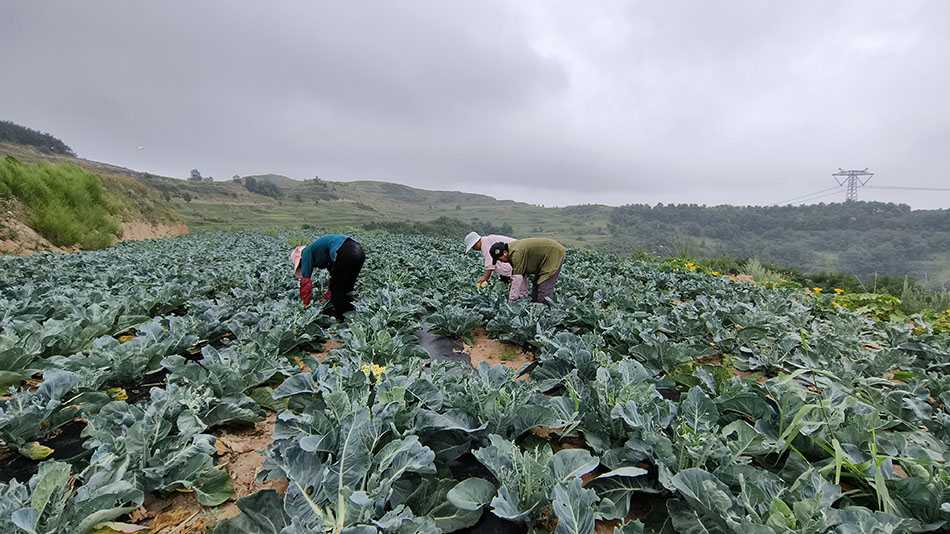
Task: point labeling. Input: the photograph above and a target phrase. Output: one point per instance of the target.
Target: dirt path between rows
(495, 352)
(241, 451)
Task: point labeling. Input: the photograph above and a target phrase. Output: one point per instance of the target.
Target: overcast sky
(551, 102)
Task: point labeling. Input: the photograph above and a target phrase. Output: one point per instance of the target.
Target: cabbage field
(659, 399)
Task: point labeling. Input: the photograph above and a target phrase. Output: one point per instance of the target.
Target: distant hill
(859, 238)
(275, 179)
(317, 203)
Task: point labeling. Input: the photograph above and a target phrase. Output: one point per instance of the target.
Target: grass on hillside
(66, 205)
(313, 204)
(138, 201)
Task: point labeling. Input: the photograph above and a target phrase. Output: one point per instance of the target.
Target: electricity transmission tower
(854, 179)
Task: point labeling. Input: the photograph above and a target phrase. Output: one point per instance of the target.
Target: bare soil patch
(325, 349)
(140, 230)
(17, 238)
(486, 349)
(745, 374)
(240, 451)
(715, 359)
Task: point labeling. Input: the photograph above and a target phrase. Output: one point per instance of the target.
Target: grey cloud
(707, 102)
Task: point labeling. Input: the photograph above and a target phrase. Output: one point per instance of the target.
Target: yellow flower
(715, 273)
(816, 289)
(376, 370)
(839, 291)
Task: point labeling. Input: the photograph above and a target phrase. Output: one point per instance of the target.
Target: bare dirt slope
(19, 239)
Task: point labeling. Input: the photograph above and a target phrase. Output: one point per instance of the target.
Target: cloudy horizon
(744, 103)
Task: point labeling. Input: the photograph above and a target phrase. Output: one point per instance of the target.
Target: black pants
(349, 261)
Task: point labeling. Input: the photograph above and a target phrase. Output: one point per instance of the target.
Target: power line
(909, 188)
(853, 180)
(816, 198)
(808, 195)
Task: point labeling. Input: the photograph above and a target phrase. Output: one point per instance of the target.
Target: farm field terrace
(657, 400)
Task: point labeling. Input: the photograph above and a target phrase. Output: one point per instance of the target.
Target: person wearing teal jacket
(339, 254)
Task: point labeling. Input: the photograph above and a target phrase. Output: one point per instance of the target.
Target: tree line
(862, 238)
(21, 135)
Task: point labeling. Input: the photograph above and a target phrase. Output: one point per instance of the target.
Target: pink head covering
(295, 260)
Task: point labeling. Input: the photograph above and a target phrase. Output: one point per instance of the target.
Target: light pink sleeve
(519, 287)
(488, 263)
(504, 269)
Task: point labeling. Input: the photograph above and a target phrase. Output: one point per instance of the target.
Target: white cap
(470, 240)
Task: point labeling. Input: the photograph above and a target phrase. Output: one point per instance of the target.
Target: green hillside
(72, 207)
(857, 237)
(325, 204)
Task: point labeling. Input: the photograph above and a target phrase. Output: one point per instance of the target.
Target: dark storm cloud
(546, 102)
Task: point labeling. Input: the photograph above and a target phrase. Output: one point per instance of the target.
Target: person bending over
(342, 257)
(537, 258)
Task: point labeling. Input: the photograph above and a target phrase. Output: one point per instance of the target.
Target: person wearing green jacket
(537, 258)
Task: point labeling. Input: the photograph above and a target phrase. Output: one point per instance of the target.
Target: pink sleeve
(504, 269)
(488, 264)
(519, 287)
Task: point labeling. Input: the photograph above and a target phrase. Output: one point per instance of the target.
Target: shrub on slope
(66, 204)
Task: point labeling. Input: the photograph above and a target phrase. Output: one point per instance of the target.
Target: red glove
(327, 296)
(306, 290)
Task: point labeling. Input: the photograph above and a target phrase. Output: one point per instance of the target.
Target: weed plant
(915, 299)
(761, 274)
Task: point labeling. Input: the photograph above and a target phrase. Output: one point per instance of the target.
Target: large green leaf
(615, 489)
(711, 499)
(53, 479)
(213, 487)
(472, 494)
(450, 518)
(568, 464)
(506, 506)
(352, 460)
(698, 411)
(261, 513)
(573, 506)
